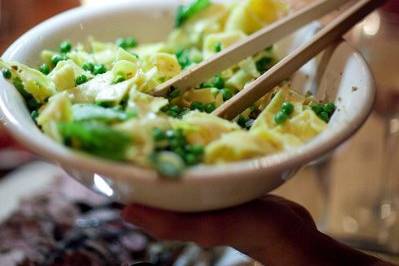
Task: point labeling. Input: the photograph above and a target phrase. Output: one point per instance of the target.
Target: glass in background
(354, 196)
(378, 41)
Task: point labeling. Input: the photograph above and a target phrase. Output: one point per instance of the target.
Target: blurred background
(354, 195)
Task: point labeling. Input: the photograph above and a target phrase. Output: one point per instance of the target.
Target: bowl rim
(278, 162)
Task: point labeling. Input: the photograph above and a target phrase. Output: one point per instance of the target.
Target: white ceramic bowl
(343, 75)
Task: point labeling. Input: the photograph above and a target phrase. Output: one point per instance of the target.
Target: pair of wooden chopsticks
(266, 37)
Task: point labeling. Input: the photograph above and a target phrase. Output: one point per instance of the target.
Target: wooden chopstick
(288, 65)
(253, 44)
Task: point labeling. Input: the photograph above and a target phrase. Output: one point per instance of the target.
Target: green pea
(121, 42)
(6, 73)
(242, 121)
(127, 43)
(184, 58)
(264, 64)
(204, 85)
(324, 116)
(172, 113)
(168, 164)
(269, 49)
(227, 94)
(165, 108)
(119, 78)
(88, 66)
(175, 143)
(218, 47)
(99, 69)
(197, 106)
(81, 79)
(329, 108)
(317, 108)
(175, 108)
(179, 151)
(57, 58)
(45, 69)
(218, 82)
(209, 107)
(280, 117)
(131, 42)
(65, 47)
(196, 149)
(174, 93)
(170, 134)
(178, 136)
(215, 82)
(179, 133)
(158, 134)
(287, 108)
(190, 159)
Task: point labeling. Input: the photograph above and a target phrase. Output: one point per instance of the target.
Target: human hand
(272, 230)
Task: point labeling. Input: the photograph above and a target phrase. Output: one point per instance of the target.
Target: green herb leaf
(186, 12)
(84, 112)
(30, 101)
(95, 138)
